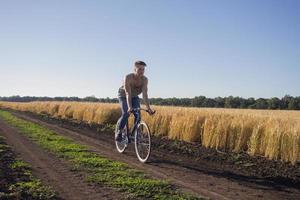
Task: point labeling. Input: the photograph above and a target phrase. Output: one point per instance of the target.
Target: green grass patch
(18, 164)
(17, 181)
(135, 184)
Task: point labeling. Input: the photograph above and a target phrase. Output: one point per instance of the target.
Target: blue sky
(212, 48)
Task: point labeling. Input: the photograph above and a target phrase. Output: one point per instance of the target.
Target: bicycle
(140, 134)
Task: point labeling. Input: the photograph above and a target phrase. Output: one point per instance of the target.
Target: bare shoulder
(129, 77)
(145, 79)
(145, 82)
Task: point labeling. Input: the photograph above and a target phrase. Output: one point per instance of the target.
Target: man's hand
(150, 111)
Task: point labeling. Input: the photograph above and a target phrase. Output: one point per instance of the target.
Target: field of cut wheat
(271, 133)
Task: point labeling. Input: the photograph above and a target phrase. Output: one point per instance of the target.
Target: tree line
(285, 103)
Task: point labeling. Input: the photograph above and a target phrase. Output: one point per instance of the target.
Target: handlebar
(139, 109)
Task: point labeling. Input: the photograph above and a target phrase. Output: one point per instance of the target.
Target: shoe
(118, 137)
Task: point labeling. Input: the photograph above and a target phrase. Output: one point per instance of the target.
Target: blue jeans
(123, 103)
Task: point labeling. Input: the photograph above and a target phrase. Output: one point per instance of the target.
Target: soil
(52, 171)
(11, 177)
(193, 168)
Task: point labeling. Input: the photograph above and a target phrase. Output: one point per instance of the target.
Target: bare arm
(145, 94)
(128, 91)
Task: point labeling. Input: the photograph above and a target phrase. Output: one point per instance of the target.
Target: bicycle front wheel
(142, 141)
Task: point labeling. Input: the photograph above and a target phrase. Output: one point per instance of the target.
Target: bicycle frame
(138, 120)
(136, 111)
(132, 134)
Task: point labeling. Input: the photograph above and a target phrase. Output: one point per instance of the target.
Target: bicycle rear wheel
(121, 145)
(142, 141)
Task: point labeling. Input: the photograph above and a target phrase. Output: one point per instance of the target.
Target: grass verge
(135, 184)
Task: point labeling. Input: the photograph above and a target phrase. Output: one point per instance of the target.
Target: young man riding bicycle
(133, 85)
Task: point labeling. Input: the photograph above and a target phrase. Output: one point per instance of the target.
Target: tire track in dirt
(53, 171)
(204, 182)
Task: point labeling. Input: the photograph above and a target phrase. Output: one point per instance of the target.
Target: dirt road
(53, 171)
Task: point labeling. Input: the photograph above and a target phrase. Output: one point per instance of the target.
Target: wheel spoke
(142, 143)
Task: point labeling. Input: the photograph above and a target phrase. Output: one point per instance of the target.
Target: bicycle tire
(142, 139)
